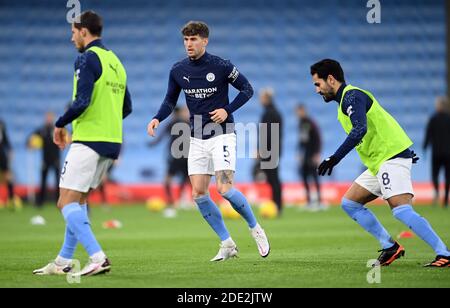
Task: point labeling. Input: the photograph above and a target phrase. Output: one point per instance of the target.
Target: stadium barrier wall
(293, 193)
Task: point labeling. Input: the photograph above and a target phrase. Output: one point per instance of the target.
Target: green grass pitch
(323, 249)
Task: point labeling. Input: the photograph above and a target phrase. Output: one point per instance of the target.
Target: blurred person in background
(175, 166)
(12, 201)
(437, 135)
(271, 116)
(310, 146)
(51, 160)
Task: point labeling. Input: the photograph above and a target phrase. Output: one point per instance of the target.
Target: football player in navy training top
(204, 79)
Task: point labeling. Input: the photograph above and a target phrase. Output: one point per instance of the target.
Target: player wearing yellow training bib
(383, 147)
(100, 103)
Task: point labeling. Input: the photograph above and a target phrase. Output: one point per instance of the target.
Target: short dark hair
(327, 67)
(91, 21)
(193, 28)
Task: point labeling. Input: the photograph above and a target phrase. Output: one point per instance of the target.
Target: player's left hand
(219, 115)
(414, 157)
(327, 165)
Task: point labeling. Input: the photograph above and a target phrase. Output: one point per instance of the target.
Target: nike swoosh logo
(113, 68)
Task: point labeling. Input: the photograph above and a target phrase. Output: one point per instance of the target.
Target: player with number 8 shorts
(384, 148)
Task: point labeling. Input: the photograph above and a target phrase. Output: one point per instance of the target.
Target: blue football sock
(69, 245)
(366, 219)
(240, 204)
(406, 214)
(213, 216)
(85, 210)
(78, 222)
(70, 240)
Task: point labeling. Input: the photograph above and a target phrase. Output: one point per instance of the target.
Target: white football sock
(60, 261)
(98, 257)
(228, 242)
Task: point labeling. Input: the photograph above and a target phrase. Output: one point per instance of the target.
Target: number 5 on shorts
(226, 153)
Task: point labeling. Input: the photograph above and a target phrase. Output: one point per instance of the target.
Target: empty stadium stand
(401, 60)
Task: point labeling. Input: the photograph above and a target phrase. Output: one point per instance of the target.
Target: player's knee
(223, 189)
(83, 200)
(399, 200)
(199, 193)
(67, 196)
(60, 204)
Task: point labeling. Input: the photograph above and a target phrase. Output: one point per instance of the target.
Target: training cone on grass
(405, 234)
(112, 224)
(38, 220)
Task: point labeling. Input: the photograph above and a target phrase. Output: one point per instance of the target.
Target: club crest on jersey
(210, 77)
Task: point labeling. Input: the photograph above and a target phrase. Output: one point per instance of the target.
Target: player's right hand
(152, 126)
(60, 137)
